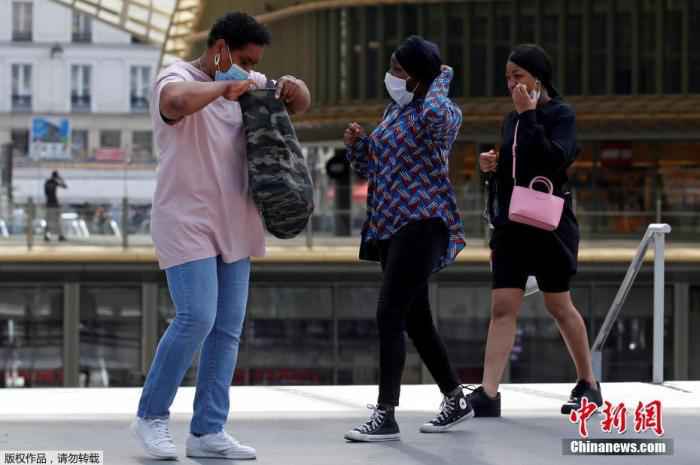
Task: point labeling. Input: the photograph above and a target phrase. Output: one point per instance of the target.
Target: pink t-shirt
(201, 205)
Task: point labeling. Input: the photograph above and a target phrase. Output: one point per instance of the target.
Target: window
(599, 44)
(307, 329)
(356, 53)
(647, 49)
(110, 139)
(502, 47)
(551, 41)
(479, 25)
(110, 336)
(372, 55)
(673, 31)
(80, 87)
(21, 87)
(623, 51)
(82, 27)
(410, 19)
(694, 48)
(79, 144)
(142, 147)
(455, 49)
(20, 141)
(31, 328)
(391, 39)
(526, 22)
(574, 54)
(140, 87)
(22, 21)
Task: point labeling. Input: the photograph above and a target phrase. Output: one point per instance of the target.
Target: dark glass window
(694, 47)
(289, 341)
(21, 87)
(477, 79)
(599, 43)
(22, 13)
(410, 20)
(454, 59)
(647, 50)
(356, 52)
(142, 147)
(391, 30)
(573, 55)
(79, 144)
(110, 337)
(455, 48)
(503, 45)
(623, 53)
(526, 21)
(433, 17)
(550, 32)
(673, 31)
(82, 27)
(20, 141)
(372, 56)
(31, 331)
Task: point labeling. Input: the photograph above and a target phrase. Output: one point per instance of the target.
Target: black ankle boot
(485, 406)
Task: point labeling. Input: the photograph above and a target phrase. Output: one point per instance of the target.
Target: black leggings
(408, 259)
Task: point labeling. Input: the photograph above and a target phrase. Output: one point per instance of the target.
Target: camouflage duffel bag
(278, 177)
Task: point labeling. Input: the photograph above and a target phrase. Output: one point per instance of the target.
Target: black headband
(535, 61)
(420, 58)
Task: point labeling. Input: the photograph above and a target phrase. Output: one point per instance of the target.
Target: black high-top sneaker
(483, 405)
(381, 426)
(581, 390)
(454, 409)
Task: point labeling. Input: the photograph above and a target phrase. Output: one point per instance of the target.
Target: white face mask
(397, 90)
(537, 92)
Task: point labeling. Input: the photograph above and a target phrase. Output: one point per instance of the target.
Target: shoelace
(374, 421)
(446, 408)
(162, 432)
(470, 387)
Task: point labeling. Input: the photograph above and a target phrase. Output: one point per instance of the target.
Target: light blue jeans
(210, 299)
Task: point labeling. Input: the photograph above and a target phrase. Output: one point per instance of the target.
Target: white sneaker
(218, 445)
(155, 438)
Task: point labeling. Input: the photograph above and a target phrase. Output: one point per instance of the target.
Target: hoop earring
(217, 59)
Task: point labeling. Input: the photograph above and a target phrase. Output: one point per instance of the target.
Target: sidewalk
(305, 425)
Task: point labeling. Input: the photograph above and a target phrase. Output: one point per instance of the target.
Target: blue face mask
(234, 73)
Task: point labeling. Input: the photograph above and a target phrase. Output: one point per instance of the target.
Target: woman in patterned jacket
(413, 228)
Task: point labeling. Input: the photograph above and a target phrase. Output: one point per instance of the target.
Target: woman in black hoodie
(546, 146)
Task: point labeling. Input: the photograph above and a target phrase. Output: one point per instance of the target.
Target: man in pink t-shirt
(205, 228)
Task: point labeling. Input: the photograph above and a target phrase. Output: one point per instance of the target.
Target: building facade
(60, 64)
(630, 68)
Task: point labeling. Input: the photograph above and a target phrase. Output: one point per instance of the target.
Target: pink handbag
(542, 210)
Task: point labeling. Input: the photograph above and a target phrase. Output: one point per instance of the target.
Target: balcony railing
(21, 36)
(337, 219)
(82, 37)
(21, 103)
(139, 104)
(81, 103)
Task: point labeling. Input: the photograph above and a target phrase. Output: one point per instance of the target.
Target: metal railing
(657, 233)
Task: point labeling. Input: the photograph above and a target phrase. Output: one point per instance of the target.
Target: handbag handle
(545, 181)
(515, 144)
(542, 179)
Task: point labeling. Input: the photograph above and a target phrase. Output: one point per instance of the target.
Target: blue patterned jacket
(405, 160)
